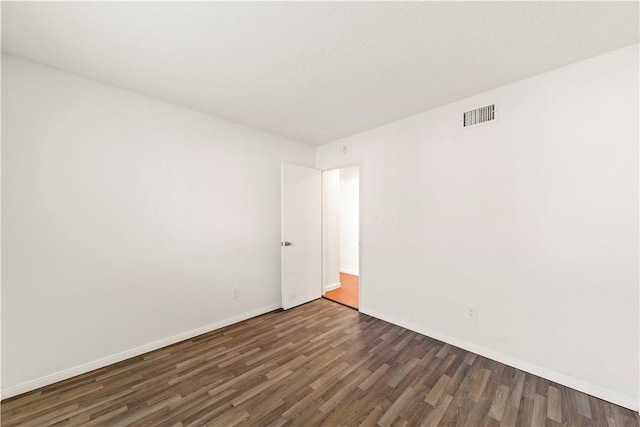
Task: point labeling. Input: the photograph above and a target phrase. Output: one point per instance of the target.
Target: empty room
(320, 214)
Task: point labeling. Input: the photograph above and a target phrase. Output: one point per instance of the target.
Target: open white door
(301, 235)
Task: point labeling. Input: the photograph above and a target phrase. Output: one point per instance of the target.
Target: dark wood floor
(347, 293)
(318, 364)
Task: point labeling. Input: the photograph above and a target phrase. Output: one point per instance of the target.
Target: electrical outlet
(236, 292)
(472, 312)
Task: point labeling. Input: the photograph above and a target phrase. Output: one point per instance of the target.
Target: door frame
(360, 227)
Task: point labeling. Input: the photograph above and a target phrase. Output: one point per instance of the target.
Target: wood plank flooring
(346, 294)
(318, 364)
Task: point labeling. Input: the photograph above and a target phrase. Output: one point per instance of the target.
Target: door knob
(286, 243)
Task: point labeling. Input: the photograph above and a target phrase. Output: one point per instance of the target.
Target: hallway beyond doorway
(347, 293)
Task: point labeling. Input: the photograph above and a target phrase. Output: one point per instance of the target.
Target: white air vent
(479, 115)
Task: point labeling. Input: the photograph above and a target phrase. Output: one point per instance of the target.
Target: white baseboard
(332, 286)
(349, 271)
(109, 360)
(628, 401)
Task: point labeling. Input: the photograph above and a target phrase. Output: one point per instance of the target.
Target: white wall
(349, 219)
(127, 222)
(331, 229)
(533, 219)
(1, 174)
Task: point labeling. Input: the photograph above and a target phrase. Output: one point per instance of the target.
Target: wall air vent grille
(479, 115)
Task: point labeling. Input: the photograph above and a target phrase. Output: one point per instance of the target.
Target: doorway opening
(341, 235)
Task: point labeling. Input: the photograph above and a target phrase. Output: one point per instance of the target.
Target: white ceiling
(314, 72)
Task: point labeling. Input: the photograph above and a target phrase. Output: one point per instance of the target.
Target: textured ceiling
(314, 72)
